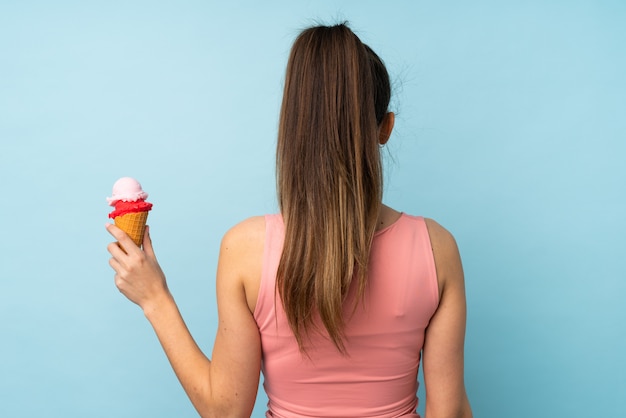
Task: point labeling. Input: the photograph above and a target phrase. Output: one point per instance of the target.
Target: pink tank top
(378, 377)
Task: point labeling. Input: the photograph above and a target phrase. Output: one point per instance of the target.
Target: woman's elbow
(224, 410)
(461, 410)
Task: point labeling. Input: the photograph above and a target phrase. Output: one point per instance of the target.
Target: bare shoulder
(445, 252)
(241, 250)
(439, 235)
(246, 233)
(241, 257)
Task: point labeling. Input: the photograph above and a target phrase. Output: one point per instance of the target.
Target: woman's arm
(226, 386)
(445, 335)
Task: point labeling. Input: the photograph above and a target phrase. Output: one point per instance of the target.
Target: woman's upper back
(384, 335)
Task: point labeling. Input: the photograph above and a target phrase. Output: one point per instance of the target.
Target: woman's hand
(137, 273)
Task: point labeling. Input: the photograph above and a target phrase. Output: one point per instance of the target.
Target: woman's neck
(386, 217)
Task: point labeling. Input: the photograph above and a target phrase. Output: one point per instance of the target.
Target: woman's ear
(385, 128)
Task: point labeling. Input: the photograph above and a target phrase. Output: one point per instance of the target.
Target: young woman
(336, 299)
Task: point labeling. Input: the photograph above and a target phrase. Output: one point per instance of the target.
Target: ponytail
(329, 175)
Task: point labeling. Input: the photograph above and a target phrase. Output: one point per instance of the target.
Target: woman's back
(383, 337)
(335, 313)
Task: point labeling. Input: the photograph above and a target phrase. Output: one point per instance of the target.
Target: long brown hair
(329, 174)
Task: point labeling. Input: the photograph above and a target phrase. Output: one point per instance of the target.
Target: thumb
(147, 243)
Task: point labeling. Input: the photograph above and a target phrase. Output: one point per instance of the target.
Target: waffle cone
(134, 224)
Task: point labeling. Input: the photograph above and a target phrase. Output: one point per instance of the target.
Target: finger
(120, 283)
(116, 266)
(122, 259)
(113, 230)
(125, 242)
(116, 251)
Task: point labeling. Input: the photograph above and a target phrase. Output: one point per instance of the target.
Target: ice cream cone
(134, 224)
(131, 208)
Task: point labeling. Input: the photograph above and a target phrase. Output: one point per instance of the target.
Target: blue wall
(511, 132)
